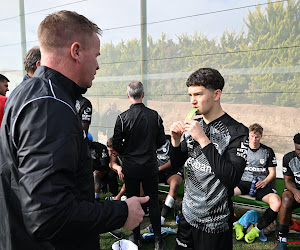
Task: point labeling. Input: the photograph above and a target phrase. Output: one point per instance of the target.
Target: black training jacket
(138, 133)
(46, 182)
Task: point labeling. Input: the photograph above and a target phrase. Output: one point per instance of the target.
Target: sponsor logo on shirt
(254, 169)
(86, 116)
(198, 165)
(297, 177)
(87, 110)
(262, 161)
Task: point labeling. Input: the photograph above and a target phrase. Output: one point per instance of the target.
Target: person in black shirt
(138, 133)
(100, 159)
(261, 163)
(291, 195)
(168, 175)
(84, 109)
(214, 151)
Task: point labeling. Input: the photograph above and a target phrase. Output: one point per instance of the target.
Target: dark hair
(206, 77)
(135, 89)
(3, 78)
(31, 58)
(109, 142)
(256, 128)
(297, 138)
(64, 27)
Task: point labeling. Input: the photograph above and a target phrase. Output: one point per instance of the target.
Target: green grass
(106, 240)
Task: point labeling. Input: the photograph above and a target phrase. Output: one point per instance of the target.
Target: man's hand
(176, 131)
(135, 211)
(196, 131)
(120, 173)
(260, 184)
(297, 195)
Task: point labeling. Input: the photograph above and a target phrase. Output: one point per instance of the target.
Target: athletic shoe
(117, 234)
(281, 246)
(239, 234)
(295, 227)
(252, 235)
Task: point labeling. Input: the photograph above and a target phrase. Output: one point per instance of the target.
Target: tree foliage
(260, 64)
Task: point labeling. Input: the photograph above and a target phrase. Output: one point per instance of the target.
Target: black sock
(268, 217)
(165, 210)
(283, 231)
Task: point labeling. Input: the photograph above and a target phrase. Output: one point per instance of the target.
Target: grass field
(106, 240)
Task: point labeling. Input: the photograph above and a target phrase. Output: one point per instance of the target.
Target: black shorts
(100, 168)
(163, 176)
(189, 238)
(245, 186)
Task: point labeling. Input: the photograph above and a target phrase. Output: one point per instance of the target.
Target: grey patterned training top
(212, 172)
(291, 167)
(258, 161)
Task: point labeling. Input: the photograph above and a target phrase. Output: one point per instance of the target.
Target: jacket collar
(137, 105)
(59, 79)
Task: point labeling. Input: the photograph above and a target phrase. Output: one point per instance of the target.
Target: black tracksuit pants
(150, 187)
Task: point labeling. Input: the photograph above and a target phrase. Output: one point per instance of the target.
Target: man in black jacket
(214, 151)
(138, 133)
(46, 177)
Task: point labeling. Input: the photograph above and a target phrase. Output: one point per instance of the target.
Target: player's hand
(297, 195)
(260, 184)
(196, 131)
(120, 174)
(176, 131)
(135, 212)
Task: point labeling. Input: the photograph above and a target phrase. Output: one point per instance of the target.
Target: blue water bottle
(253, 186)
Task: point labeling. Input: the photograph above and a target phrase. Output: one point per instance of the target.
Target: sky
(206, 16)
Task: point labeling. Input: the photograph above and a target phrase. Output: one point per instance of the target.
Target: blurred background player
(261, 163)
(291, 194)
(167, 175)
(3, 85)
(32, 61)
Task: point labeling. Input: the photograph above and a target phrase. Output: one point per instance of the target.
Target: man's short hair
(297, 138)
(207, 77)
(256, 129)
(31, 58)
(62, 28)
(135, 90)
(3, 78)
